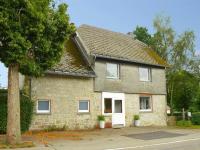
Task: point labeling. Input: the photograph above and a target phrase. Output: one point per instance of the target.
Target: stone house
(101, 72)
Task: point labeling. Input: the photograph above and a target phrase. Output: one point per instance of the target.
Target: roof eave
(70, 74)
(127, 60)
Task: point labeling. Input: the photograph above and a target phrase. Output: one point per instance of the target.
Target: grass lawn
(189, 127)
(21, 145)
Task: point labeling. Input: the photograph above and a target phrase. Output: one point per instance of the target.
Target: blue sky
(124, 15)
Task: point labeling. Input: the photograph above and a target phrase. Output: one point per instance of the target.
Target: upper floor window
(145, 74)
(112, 71)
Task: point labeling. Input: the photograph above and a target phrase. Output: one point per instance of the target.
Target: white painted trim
(83, 111)
(114, 96)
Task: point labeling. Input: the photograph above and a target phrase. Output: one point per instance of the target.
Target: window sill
(43, 113)
(145, 81)
(146, 111)
(112, 78)
(107, 114)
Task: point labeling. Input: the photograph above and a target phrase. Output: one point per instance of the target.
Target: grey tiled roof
(72, 63)
(116, 45)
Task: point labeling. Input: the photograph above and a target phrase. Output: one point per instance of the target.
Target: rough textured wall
(64, 93)
(129, 81)
(157, 117)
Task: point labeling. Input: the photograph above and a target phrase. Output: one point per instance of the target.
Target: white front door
(114, 104)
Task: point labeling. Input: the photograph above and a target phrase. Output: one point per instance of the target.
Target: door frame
(114, 96)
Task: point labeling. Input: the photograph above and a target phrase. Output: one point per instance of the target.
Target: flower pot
(102, 124)
(137, 123)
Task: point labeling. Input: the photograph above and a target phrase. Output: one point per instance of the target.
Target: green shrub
(26, 111)
(101, 118)
(195, 118)
(184, 123)
(136, 117)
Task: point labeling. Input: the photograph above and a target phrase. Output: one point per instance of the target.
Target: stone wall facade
(64, 94)
(129, 80)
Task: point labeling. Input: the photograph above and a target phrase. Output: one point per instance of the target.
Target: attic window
(112, 71)
(145, 74)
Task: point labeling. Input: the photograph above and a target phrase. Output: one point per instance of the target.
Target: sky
(124, 15)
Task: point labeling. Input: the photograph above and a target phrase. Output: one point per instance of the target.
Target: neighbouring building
(101, 73)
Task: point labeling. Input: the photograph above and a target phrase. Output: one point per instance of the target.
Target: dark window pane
(107, 105)
(43, 105)
(83, 105)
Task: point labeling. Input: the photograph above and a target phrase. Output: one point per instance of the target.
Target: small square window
(43, 106)
(112, 71)
(83, 106)
(145, 74)
(145, 103)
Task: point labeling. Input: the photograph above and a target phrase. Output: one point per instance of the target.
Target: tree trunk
(13, 118)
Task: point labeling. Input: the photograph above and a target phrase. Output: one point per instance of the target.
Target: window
(145, 103)
(108, 105)
(43, 106)
(112, 71)
(83, 106)
(145, 74)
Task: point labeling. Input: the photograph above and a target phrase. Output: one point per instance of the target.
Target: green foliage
(185, 85)
(178, 51)
(141, 33)
(26, 111)
(195, 118)
(101, 118)
(184, 123)
(32, 34)
(136, 117)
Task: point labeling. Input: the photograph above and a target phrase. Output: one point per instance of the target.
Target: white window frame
(43, 111)
(149, 74)
(118, 71)
(151, 104)
(84, 111)
(113, 96)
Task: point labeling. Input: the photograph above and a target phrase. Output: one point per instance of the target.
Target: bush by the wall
(26, 111)
(195, 118)
(184, 123)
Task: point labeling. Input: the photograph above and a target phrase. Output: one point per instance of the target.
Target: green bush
(101, 118)
(184, 123)
(26, 111)
(136, 117)
(195, 118)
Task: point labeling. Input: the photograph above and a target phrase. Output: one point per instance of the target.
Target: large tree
(32, 35)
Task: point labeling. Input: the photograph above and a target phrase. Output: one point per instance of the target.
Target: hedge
(26, 111)
(184, 123)
(195, 118)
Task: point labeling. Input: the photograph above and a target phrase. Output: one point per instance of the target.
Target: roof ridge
(107, 30)
(108, 43)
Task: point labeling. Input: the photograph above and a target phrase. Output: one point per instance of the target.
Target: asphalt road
(128, 139)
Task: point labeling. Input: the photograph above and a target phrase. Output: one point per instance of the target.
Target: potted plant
(136, 120)
(101, 120)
